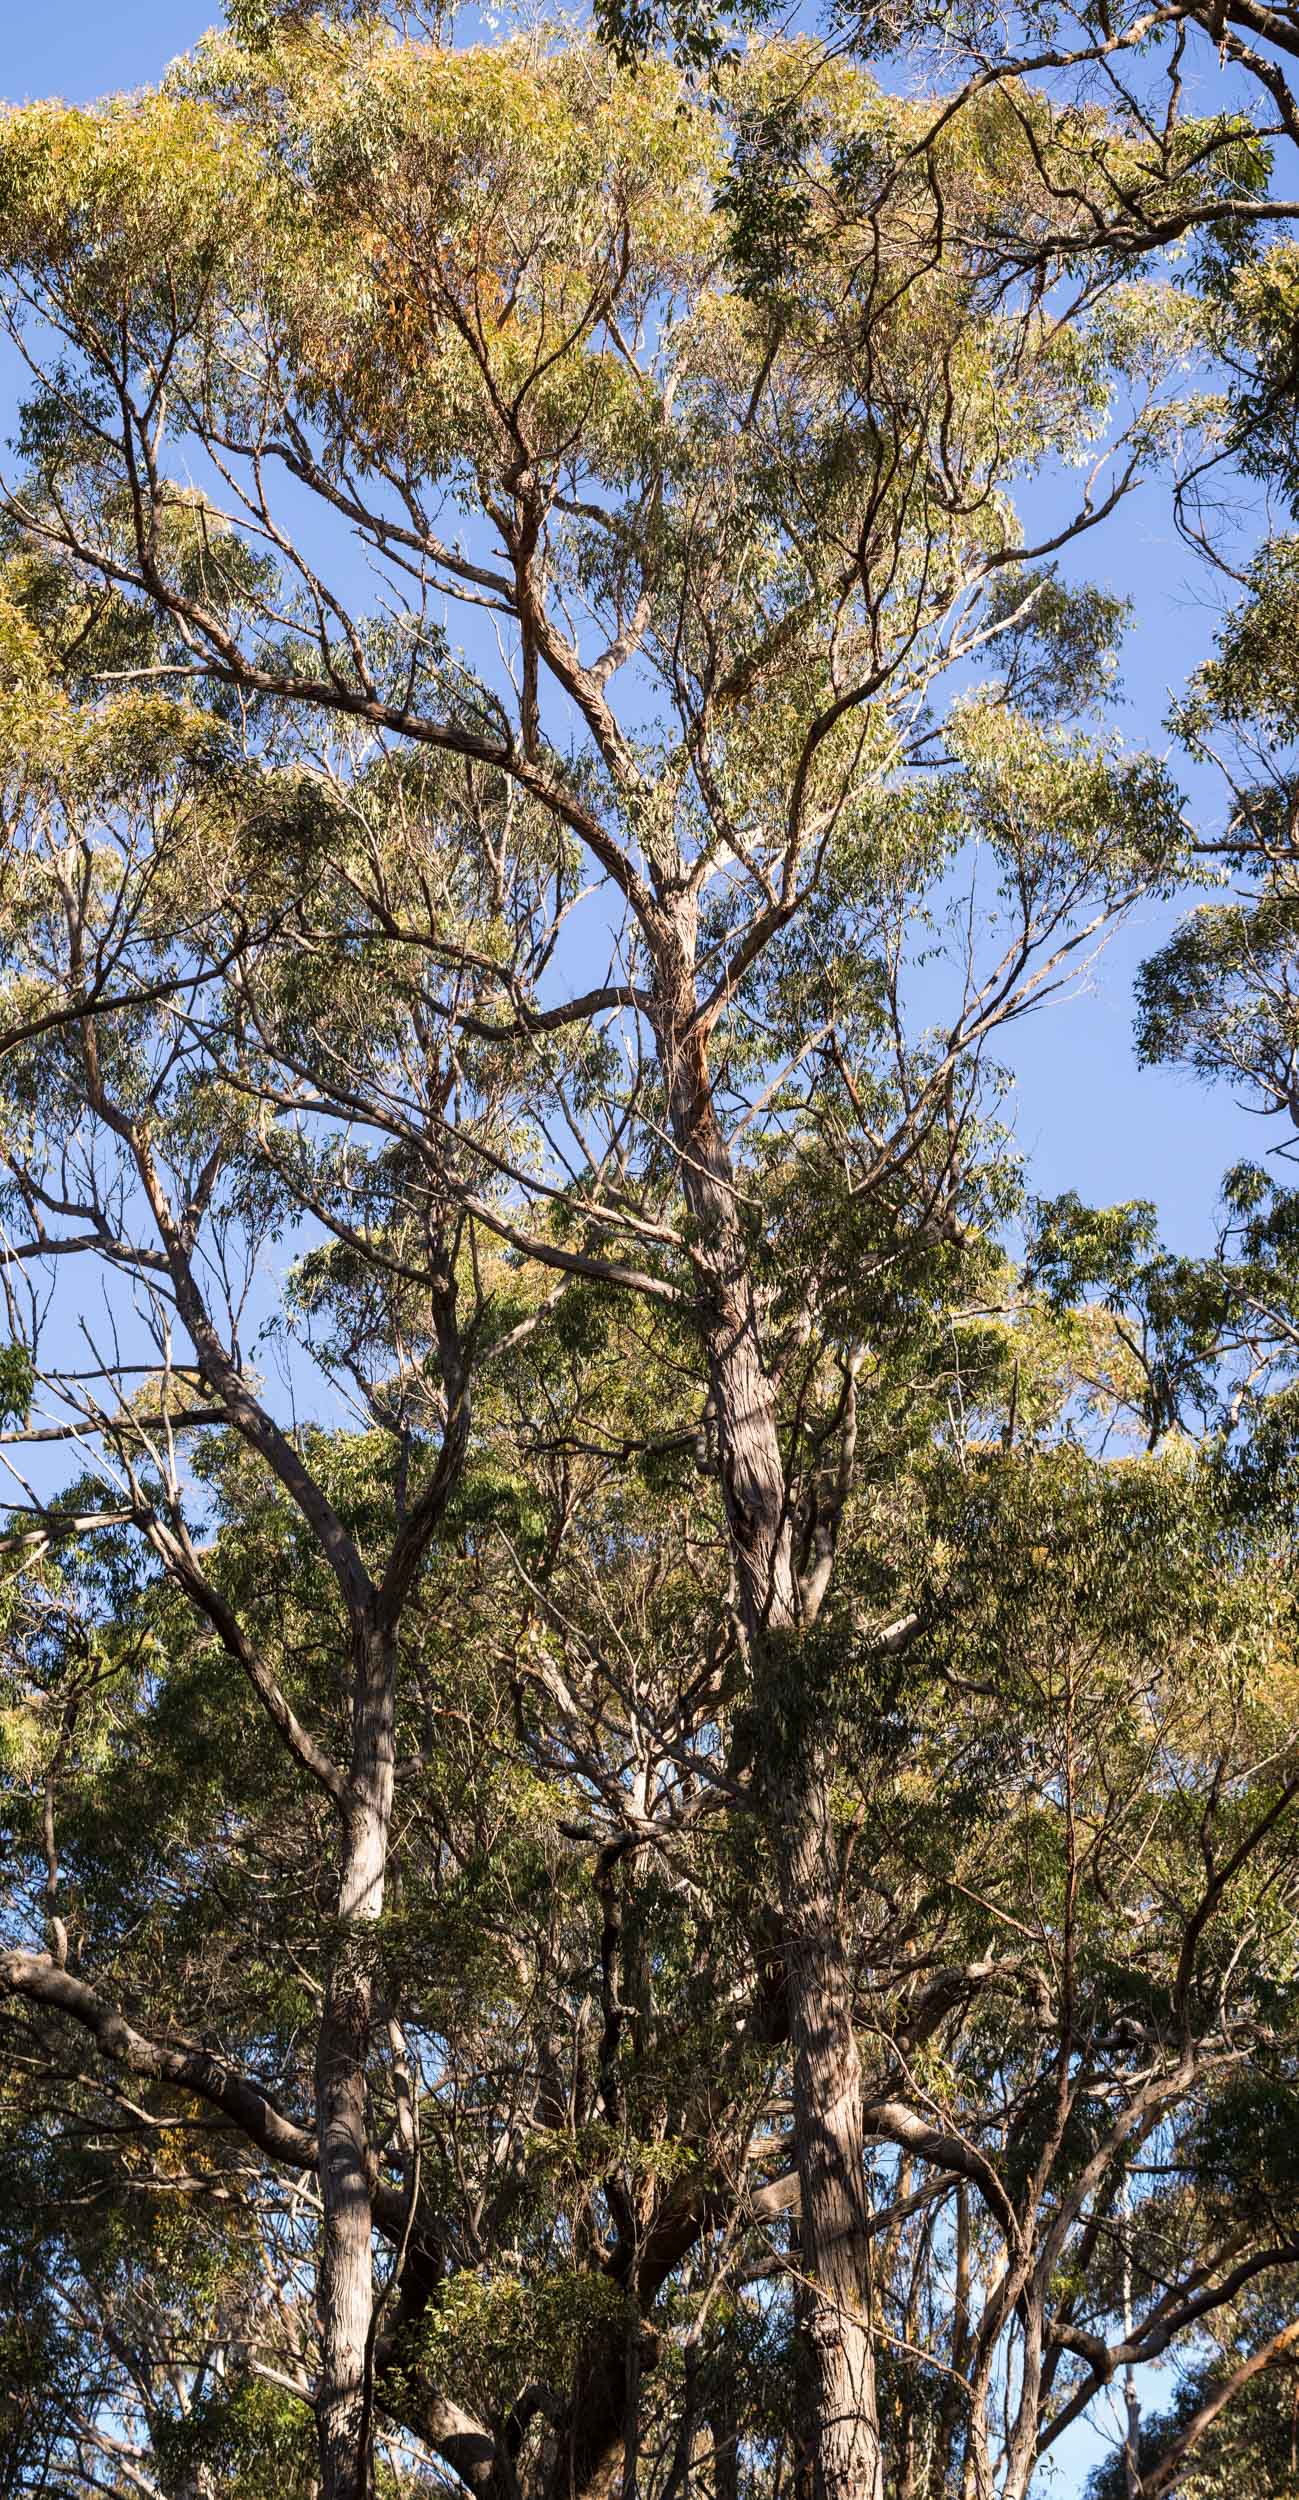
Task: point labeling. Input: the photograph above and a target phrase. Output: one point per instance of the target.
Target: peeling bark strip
(828, 2128)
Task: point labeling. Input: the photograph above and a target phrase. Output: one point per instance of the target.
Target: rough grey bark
(828, 2126)
(829, 2143)
(724, 2433)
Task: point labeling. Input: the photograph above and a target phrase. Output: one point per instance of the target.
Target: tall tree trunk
(828, 2134)
(828, 2139)
(346, 2276)
(724, 2431)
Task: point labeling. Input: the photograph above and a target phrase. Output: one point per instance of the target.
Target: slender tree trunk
(828, 2141)
(724, 2430)
(346, 2278)
(950, 2410)
(827, 2078)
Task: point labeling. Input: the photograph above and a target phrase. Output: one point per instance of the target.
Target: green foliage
(446, 1305)
(249, 2436)
(492, 2335)
(1076, 1247)
(17, 1381)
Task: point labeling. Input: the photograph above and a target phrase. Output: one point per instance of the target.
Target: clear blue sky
(1087, 1117)
(82, 48)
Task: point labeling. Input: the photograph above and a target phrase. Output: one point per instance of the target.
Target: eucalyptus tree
(149, 863)
(468, 313)
(1231, 2426)
(1221, 997)
(1053, 1691)
(715, 548)
(1068, 1890)
(1126, 2074)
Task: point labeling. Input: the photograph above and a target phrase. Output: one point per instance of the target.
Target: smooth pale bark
(346, 2162)
(828, 2127)
(347, 2171)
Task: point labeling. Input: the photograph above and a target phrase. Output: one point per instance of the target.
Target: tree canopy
(648, 1726)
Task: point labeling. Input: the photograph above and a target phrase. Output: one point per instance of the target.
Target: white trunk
(346, 2277)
